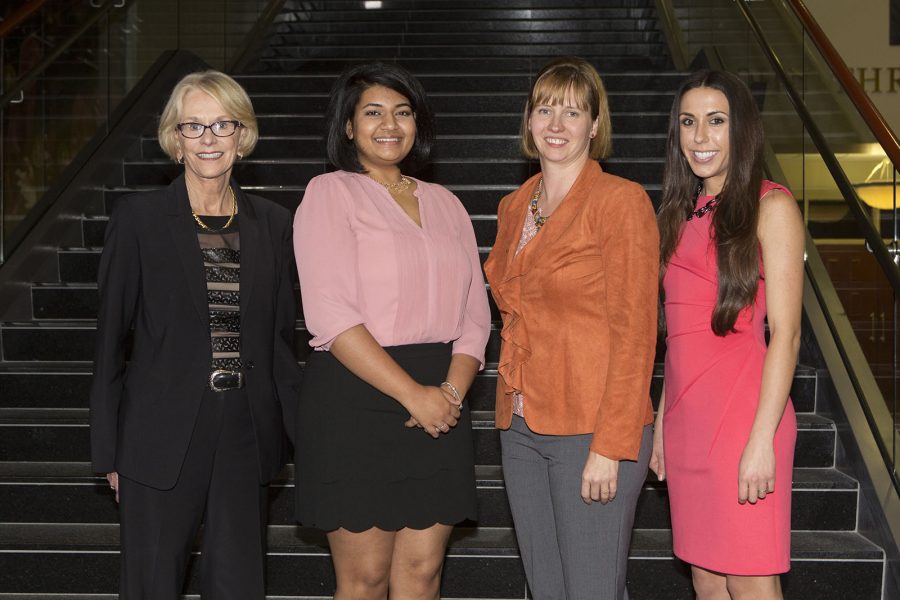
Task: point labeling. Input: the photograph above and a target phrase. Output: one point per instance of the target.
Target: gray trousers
(570, 550)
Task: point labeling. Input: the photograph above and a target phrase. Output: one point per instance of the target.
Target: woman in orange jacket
(574, 274)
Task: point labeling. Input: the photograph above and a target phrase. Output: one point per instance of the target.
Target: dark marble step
(79, 265)
(273, 62)
(648, 81)
(73, 341)
(62, 435)
(480, 200)
(274, 104)
(446, 146)
(823, 499)
(448, 123)
(297, 172)
(456, 34)
(62, 385)
(473, 11)
(422, 27)
(300, 45)
(544, 50)
(481, 563)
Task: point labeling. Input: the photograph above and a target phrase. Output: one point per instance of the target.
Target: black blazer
(152, 278)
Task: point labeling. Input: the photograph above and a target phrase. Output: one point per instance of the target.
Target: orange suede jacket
(579, 308)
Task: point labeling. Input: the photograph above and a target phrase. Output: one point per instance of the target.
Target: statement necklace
(706, 207)
(399, 187)
(227, 223)
(539, 219)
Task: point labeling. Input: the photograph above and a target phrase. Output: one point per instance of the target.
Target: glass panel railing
(720, 30)
(51, 118)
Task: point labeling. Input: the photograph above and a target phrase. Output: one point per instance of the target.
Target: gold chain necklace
(399, 187)
(227, 223)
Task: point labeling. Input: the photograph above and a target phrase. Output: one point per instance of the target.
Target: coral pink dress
(712, 392)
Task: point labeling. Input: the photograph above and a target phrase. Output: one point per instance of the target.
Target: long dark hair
(737, 213)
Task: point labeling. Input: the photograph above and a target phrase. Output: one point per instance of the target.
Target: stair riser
(445, 148)
(93, 503)
(457, 34)
(266, 105)
(815, 448)
(251, 173)
(271, 64)
(463, 576)
(68, 390)
(71, 344)
(464, 83)
(596, 26)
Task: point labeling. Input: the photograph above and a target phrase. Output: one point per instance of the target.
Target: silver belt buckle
(218, 373)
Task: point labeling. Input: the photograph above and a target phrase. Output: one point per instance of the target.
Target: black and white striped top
(222, 262)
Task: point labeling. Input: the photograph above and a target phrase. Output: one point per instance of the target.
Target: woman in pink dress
(731, 259)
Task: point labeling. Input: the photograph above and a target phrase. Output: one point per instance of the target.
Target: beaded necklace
(399, 187)
(706, 207)
(539, 219)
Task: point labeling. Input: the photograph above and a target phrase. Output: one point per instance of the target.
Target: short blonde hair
(577, 79)
(224, 90)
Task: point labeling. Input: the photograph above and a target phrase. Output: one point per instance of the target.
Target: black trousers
(218, 485)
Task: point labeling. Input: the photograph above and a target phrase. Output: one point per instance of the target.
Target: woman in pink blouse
(394, 297)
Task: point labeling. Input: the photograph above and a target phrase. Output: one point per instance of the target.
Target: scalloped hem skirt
(357, 465)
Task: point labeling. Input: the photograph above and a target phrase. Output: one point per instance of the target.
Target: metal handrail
(870, 234)
(33, 74)
(867, 109)
(20, 16)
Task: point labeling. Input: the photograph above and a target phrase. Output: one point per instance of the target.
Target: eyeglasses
(219, 128)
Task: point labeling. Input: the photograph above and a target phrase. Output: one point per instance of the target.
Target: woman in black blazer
(192, 424)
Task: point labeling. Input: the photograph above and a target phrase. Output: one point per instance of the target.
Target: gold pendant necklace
(227, 223)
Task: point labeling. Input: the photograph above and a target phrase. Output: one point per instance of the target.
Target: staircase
(58, 531)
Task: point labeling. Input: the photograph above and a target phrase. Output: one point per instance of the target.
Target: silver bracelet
(453, 391)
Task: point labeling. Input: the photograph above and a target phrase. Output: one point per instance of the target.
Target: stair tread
(291, 539)
(481, 419)
(12, 472)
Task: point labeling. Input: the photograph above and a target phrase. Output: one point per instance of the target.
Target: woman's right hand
(431, 409)
(113, 479)
(657, 457)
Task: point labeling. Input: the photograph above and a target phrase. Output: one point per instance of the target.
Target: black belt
(222, 380)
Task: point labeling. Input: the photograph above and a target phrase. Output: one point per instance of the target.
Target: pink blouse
(363, 260)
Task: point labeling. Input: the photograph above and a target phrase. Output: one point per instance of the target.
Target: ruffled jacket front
(579, 312)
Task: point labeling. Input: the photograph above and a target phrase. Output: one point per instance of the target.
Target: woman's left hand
(599, 479)
(756, 472)
(412, 422)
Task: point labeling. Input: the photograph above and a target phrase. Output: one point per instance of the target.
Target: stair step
(483, 562)
(433, 65)
(277, 142)
(73, 341)
(461, 36)
(30, 492)
(266, 104)
(609, 24)
(646, 81)
(64, 385)
(456, 171)
(28, 434)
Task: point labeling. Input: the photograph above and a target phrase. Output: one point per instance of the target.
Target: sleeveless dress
(712, 386)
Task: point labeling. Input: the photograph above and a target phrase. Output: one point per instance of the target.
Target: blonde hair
(224, 90)
(576, 79)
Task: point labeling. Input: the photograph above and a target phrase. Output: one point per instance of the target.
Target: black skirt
(358, 466)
